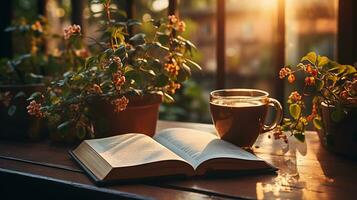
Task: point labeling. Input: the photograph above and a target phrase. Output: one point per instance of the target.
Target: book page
(131, 150)
(197, 146)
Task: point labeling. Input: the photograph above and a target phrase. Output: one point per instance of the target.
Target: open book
(174, 151)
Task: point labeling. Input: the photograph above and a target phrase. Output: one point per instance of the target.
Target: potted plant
(120, 87)
(332, 87)
(25, 74)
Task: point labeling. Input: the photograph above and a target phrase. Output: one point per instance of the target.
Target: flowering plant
(126, 65)
(326, 82)
(35, 64)
(27, 67)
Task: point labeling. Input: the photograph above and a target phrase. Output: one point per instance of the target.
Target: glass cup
(239, 114)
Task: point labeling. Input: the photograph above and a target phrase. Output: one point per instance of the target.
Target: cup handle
(278, 116)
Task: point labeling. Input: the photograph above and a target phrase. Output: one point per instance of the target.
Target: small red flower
(295, 96)
(34, 109)
(173, 19)
(172, 68)
(71, 30)
(172, 87)
(310, 80)
(120, 104)
(344, 94)
(291, 78)
(314, 72)
(95, 89)
(181, 26)
(118, 79)
(308, 68)
(285, 71)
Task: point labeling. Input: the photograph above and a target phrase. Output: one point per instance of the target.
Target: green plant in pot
(120, 87)
(332, 88)
(25, 74)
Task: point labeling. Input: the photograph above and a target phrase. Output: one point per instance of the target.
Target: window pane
(311, 25)
(250, 36)
(200, 18)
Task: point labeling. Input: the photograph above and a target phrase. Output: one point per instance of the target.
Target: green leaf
(89, 63)
(132, 22)
(10, 29)
(311, 57)
(117, 33)
(55, 100)
(350, 69)
(20, 94)
(317, 123)
(190, 44)
(11, 111)
(184, 73)
(163, 39)
(120, 51)
(64, 127)
(156, 23)
(168, 98)
(322, 60)
(36, 76)
(319, 84)
(158, 44)
(148, 72)
(295, 110)
(113, 67)
(77, 77)
(138, 39)
(81, 133)
(194, 65)
(134, 75)
(186, 68)
(300, 137)
(33, 96)
(162, 80)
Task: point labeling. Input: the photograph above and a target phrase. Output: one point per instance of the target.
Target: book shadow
(213, 175)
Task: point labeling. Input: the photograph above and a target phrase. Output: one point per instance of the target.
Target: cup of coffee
(239, 114)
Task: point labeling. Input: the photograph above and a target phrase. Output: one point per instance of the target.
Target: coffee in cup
(239, 114)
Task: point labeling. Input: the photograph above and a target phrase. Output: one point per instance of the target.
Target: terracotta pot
(20, 125)
(339, 137)
(140, 116)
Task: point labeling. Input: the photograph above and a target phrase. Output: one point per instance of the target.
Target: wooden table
(306, 171)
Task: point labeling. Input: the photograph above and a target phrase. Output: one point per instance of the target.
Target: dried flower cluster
(95, 89)
(285, 71)
(172, 68)
(34, 109)
(118, 80)
(172, 87)
(120, 104)
(177, 24)
(37, 26)
(295, 96)
(83, 53)
(71, 30)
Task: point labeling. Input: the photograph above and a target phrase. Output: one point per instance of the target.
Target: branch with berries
(325, 81)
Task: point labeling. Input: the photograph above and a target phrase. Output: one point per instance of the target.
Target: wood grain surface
(306, 171)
